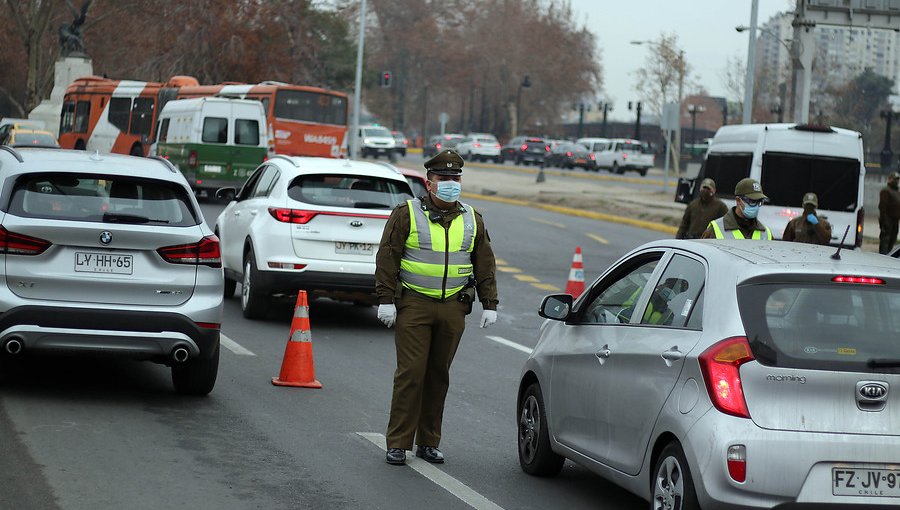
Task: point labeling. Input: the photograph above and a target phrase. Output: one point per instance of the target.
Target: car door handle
(672, 354)
(253, 212)
(236, 213)
(603, 353)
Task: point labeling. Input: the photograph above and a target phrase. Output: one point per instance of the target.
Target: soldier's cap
(750, 188)
(708, 183)
(894, 175)
(446, 162)
(811, 198)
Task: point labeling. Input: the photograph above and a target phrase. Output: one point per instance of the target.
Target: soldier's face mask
(448, 191)
(751, 207)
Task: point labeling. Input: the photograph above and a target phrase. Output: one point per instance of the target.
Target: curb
(666, 229)
(563, 173)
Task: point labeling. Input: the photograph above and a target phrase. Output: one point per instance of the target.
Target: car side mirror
(556, 307)
(225, 194)
(684, 192)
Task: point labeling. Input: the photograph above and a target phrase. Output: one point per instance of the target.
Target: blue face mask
(750, 211)
(448, 191)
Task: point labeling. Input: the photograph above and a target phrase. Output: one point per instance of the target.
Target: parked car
(29, 138)
(377, 141)
(531, 151)
(438, 142)
(416, 181)
(571, 155)
(723, 374)
(401, 142)
(307, 223)
(479, 147)
(110, 255)
(622, 154)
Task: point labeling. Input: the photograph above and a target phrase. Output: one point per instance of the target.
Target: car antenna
(837, 254)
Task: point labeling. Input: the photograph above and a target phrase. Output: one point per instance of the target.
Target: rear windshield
(727, 170)
(787, 177)
(833, 326)
(311, 107)
(246, 132)
(215, 130)
(101, 198)
(631, 147)
(42, 139)
(358, 191)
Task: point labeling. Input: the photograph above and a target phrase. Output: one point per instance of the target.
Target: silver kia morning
(724, 374)
(107, 255)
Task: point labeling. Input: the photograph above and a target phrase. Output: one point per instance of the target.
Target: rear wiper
(128, 218)
(371, 205)
(883, 363)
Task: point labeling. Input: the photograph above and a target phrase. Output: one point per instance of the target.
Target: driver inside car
(658, 310)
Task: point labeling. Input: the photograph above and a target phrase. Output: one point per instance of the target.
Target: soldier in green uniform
(740, 221)
(809, 227)
(703, 209)
(433, 256)
(889, 213)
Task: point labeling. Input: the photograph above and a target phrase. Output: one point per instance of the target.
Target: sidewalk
(577, 191)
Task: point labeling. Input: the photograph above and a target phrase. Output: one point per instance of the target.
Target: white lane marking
(233, 346)
(462, 491)
(510, 343)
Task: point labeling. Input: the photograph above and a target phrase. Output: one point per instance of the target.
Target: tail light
(192, 159)
(209, 325)
(737, 462)
(497, 146)
(720, 365)
(202, 253)
(593, 158)
(547, 148)
(437, 146)
(624, 155)
(860, 216)
(569, 154)
(291, 215)
(20, 244)
(524, 147)
(476, 145)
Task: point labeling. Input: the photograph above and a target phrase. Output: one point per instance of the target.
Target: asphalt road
(88, 434)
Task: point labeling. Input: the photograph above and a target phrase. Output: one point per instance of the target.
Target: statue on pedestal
(70, 40)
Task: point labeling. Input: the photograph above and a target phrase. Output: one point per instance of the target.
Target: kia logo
(356, 223)
(872, 390)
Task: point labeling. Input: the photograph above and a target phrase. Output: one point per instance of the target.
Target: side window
(674, 297)
(163, 131)
(246, 190)
(727, 170)
(4, 133)
(265, 183)
(68, 117)
(246, 132)
(82, 116)
(119, 112)
(142, 116)
(215, 130)
(615, 303)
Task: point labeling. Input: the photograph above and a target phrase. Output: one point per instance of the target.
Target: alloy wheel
(245, 285)
(529, 428)
(668, 490)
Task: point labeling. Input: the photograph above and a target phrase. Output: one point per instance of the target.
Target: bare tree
(31, 20)
(664, 71)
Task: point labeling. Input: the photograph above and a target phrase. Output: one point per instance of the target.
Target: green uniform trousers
(426, 335)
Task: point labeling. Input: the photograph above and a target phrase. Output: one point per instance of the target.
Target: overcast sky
(705, 30)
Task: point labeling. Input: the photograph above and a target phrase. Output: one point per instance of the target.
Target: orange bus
(120, 115)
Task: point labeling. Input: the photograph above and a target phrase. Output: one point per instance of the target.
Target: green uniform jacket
(393, 241)
(733, 222)
(697, 217)
(800, 230)
(889, 203)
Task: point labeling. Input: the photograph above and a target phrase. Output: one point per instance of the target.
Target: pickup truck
(622, 154)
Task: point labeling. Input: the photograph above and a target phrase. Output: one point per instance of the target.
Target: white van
(790, 160)
(216, 142)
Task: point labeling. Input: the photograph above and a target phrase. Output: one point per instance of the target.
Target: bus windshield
(310, 107)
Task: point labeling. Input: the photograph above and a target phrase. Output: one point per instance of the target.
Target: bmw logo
(105, 237)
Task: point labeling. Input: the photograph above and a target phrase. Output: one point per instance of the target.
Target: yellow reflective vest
(437, 261)
(718, 227)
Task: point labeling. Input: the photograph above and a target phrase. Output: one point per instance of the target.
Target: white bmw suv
(307, 223)
(103, 254)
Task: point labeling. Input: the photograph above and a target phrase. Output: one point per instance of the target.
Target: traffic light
(385, 79)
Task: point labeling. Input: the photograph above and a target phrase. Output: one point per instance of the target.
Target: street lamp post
(693, 110)
(526, 82)
(887, 154)
(607, 107)
(751, 70)
(581, 108)
(354, 136)
(681, 67)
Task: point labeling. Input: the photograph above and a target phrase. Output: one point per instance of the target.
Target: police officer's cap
(749, 188)
(811, 198)
(893, 176)
(446, 162)
(708, 183)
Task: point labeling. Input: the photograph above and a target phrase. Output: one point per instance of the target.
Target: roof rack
(12, 151)
(168, 164)
(282, 156)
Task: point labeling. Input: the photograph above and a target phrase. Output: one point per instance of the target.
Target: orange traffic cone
(575, 285)
(297, 367)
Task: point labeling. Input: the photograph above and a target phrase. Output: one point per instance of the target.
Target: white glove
(488, 317)
(387, 314)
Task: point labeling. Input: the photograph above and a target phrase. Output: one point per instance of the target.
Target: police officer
(889, 213)
(809, 227)
(434, 254)
(701, 211)
(740, 222)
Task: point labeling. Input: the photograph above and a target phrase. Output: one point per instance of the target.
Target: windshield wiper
(883, 363)
(371, 205)
(128, 218)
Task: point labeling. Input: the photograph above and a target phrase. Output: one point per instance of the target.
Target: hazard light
(858, 279)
